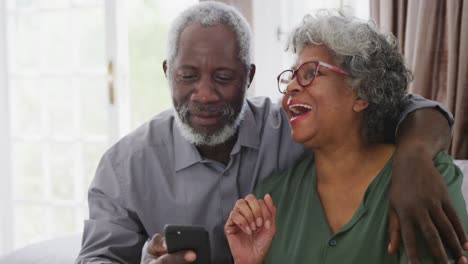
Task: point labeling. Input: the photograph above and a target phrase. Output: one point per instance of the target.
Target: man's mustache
(185, 110)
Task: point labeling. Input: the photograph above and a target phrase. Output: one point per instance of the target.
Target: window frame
(5, 141)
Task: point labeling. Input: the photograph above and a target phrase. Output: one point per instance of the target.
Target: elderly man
(190, 164)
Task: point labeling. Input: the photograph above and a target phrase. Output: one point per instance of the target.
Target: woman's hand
(250, 229)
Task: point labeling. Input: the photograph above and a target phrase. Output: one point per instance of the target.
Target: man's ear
(165, 67)
(360, 104)
(251, 74)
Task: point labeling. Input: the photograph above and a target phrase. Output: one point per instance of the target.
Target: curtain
(433, 36)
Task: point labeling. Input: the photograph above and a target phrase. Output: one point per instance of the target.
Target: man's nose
(205, 91)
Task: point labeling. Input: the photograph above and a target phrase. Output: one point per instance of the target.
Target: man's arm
(418, 195)
(113, 234)
(453, 179)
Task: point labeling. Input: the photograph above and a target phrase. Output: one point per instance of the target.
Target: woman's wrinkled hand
(250, 229)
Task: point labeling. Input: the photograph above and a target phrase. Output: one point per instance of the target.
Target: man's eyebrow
(225, 69)
(187, 67)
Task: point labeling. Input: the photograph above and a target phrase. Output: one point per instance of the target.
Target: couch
(64, 250)
(61, 250)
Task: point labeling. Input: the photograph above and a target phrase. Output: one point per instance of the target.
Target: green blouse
(303, 234)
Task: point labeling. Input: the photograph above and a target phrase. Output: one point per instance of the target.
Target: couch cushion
(463, 165)
(62, 250)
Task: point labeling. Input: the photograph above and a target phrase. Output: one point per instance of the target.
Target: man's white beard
(217, 138)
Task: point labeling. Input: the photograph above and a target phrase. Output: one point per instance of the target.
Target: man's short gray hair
(377, 67)
(211, 14)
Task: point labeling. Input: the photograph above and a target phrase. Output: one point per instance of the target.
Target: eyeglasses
(306, 74)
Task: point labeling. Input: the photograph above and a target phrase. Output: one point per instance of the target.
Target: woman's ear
(360, 104)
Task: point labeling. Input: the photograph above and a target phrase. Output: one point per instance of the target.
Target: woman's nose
(294, 86)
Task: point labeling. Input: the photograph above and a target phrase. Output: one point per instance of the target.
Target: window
(58, 114)
(148, 23)
(75, 75)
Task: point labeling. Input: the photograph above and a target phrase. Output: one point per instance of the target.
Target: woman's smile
(298, 110)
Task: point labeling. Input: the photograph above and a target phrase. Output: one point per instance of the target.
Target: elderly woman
(332, 207)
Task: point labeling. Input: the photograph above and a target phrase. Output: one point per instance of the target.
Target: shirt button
(332, 242)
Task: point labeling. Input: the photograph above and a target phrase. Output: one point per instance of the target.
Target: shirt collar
(187, 154)
(249, 131)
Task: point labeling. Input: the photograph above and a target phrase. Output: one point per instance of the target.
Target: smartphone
(180, 237)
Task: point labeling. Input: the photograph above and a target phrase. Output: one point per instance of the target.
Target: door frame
(5, 141)
(117, 53)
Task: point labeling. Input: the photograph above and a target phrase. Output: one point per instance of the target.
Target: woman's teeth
(300, 108)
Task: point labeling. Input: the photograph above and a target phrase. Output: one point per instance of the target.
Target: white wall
(271, 23)
(268, 50)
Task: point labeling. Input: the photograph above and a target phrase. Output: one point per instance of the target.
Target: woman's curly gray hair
(211, 14)
(377, 67)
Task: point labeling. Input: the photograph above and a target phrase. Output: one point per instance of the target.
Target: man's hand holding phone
(180, 244)
(156, 253)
